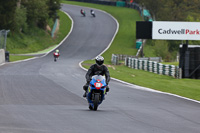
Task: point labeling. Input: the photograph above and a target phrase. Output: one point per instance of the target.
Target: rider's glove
(88, 82)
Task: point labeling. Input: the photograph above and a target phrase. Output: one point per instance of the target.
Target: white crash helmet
(99, 60)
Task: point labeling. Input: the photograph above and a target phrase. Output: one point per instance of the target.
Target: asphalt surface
(43, 96)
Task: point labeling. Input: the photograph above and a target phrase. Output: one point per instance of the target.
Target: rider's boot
(84, 95)
(85, 89)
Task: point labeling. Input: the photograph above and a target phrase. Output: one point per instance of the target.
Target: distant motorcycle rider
(92, 13)
(97, 69)
(56, 54)
(82, 12)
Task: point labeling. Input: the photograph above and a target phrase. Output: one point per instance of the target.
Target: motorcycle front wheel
(96, 101)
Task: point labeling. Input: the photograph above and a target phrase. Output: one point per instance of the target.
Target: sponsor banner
(165, 30)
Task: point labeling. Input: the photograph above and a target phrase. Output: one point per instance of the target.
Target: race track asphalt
(43, 96)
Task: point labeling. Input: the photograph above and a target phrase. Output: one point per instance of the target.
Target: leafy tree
(161, 49)
(7, 12)
(37, 12)
(20, 19)
(172, 10)
(53, 5)
(154, 6)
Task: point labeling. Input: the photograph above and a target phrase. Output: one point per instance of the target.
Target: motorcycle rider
(56, 54)
(92, 12)
(82, 12)
(97, 69)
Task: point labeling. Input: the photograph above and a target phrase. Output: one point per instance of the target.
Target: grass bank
(124, 43)
(17, 58)
(37, 39)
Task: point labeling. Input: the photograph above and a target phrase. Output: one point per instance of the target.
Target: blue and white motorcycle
(96, 91)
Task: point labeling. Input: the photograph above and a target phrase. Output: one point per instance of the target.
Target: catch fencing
(149, 65)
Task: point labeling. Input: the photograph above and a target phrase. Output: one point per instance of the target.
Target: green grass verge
(45, 50)
(17, 58)
(38, 40)
(124, 43)
(171, 63)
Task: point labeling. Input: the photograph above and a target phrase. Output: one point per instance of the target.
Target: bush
(20, 19)
(161, 49)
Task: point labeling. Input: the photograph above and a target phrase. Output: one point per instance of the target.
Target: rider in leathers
(97, 69)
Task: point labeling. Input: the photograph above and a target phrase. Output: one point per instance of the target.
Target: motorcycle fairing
(92, 89)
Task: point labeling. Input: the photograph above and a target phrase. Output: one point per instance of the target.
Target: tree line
(20, 15)
(172, 10)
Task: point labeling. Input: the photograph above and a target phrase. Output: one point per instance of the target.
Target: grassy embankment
(124, 43)
(37, 40)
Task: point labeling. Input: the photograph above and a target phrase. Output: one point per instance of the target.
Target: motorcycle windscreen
(100, 78)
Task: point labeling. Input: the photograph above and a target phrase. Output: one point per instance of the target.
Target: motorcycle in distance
(56, 55)
(96, 91)
(83, 12)
(92, 13)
